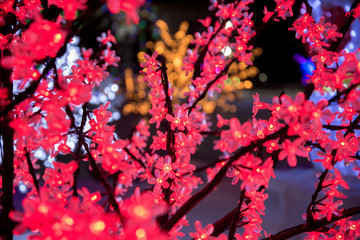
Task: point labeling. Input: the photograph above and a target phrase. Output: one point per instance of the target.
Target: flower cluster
(53, 218)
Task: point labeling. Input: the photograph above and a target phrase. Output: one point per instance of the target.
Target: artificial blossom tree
(44, 104)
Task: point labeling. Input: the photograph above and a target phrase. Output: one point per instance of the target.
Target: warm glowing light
(177, 62)
(149, 44)
(46, 27)
(57, 38)
(94, 197)
(43, 208)
(35, 74)
(140, 233)
(353, 226)
(141, 212)
(109, 149)
(237, 135)
(67, 220)
(271, 127)
(248, 84)
(260, 134)
(167, 167)
(339, 236)
(97, 227)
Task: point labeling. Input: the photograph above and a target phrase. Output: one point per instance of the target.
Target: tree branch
(78, 150)
(196, 198)
(235, 217)
(31, 170)
(316, 224)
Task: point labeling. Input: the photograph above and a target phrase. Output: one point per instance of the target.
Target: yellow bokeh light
(240, 85)
(180, 35)
(140, 57)
(242, 65)
(243, 75)
(142, 94)
(149, 44)
(248, 84)
(177, 62)
(209, 107)
(159, 49)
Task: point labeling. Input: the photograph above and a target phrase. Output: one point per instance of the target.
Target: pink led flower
(291, 150)
(130, 7)
(202, 233)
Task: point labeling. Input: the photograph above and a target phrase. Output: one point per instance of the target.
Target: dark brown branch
(105, 184)
(207, 133)
(170, 138)
(222, 224)
(311, 206)
(134, 158)
(165, 83)
(235, 218)
(308, 7)
(78, 150)
(6, 224)
(314, 225)
(31, 170)
(7, 155)
(208, 165)
(336, 127)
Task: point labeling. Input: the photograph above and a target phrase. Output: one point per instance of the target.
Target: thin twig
(78, 150)
(31, 170)
(170, 138)
(134, 158)
(235, 219)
